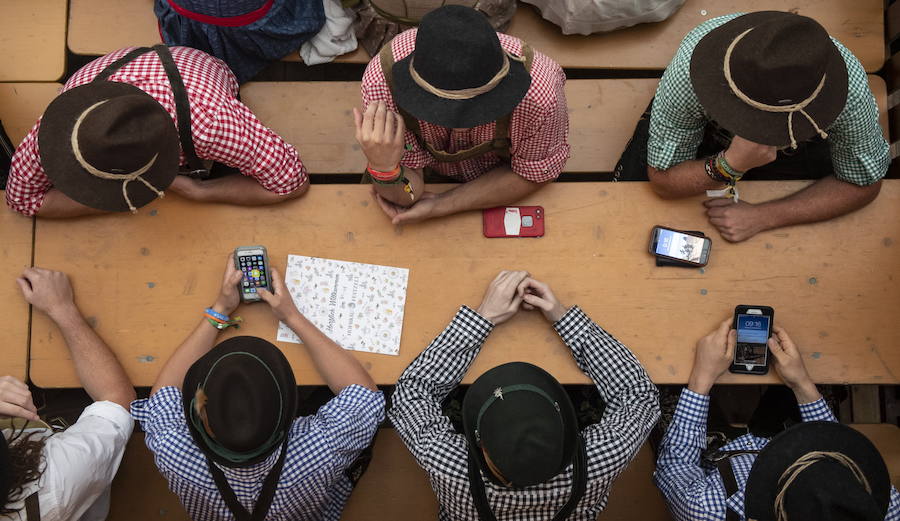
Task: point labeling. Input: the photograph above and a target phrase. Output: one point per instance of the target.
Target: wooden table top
(16, 234)
(859, 25)
(145, 279)
(33, 39)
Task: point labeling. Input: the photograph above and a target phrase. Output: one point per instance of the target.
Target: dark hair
(25, 456)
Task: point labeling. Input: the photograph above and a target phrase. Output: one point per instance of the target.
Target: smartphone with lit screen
(680, 246)
(754, 327)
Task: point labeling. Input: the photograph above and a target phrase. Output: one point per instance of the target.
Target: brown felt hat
(772, 77)
(109, 145)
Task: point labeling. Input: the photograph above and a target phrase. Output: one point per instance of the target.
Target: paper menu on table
(359, 306)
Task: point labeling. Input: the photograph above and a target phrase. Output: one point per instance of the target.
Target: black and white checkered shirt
(632, 408)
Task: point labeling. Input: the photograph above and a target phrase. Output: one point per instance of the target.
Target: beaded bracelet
(712, 171)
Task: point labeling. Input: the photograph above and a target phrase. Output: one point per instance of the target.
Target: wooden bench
(33, 39)
(394, 487)
(859, 25)
(144, 279)
(317, 118)
(20, 106)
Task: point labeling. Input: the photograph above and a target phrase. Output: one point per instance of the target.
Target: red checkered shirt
(539, 128)
(224, 129)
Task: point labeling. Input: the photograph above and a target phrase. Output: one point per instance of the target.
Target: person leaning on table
(475, 105)
(522, 455)
(221, 421)
(770, 94)
(814, 470)
(109, 142)
(64, 475)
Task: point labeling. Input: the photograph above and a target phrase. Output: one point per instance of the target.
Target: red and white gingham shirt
(224, 129)
(539, 127)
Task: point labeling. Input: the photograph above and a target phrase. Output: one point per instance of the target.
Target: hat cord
(806, 461)
(463, 94)
(96, 172)
(790, 109)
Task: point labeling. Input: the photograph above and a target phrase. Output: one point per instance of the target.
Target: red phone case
(495, 221)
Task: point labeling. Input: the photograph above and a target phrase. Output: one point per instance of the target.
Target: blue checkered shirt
(632, 408)
(312, 486)
(694, 494)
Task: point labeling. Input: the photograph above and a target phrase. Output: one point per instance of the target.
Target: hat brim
(277, 363)
(480, 110)
(787, 447)
(510, 374)
(67, 175)
(767, 128)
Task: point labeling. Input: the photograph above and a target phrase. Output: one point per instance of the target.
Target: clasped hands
(514, 290)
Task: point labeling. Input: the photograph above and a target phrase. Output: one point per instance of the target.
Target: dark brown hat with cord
(772, 77)
(109, 146)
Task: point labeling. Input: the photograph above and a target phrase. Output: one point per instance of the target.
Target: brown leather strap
(731, 486)
(33, 507)
(500, 145)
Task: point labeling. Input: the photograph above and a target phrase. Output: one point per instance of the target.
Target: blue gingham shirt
(695, 494)
(312, 486)
(632, 408)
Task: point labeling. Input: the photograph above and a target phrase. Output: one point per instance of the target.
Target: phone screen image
(679, 245)
(752, 336)
(252, 265)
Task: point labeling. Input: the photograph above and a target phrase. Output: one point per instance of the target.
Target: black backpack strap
(266, 495)
(731, 486)
(579, 485)
(182, 111)
(33, 507)
(116, 65)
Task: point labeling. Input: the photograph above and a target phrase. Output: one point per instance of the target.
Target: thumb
(264, 294)
(27, 291)
(731, 344)
(357, 118)
(711, 203)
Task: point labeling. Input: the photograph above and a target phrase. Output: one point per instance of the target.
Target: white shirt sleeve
(82, 461)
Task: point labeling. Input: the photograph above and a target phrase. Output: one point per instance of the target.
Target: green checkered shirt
(859, 151)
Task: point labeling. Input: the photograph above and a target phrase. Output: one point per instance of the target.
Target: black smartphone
(680, 246)
(253, 262)
(754, 327)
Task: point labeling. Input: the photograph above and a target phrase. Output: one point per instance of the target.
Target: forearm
(199, 343)
(98, 370)
(682, 180)
(825, 199)
(500, 186)
(57, 205)
(337, 366)
(240, 190)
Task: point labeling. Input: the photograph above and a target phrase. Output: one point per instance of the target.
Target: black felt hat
(778, 61)
(240, 400)
(457, 49)
(826, 490)
(522, 417)
(109, 145)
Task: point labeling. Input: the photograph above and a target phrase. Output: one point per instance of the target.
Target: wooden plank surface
(33, 39)
(859, 25)
(21, 104)
(886, 438)
(145, 279)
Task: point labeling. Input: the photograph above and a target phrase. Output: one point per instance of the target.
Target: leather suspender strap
(266, 495)
(182, 110)
(33, 507)
(501, 143)
(731, 486)
(579, 485)
(116, 65)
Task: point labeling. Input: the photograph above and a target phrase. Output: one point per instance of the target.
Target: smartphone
(680, 246)
(513, 221)
(253, 261)
(754, 327)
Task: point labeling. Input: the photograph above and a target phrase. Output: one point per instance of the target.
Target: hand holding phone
(712, 357)
(754, 327)
(680, 246)
(253, 263)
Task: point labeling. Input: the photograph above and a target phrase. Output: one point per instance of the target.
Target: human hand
(538, 295)
(229, 295)
(736, 222)
(712, 357)
(47, 290)
(743, 154)
(502, 299)
(379, 132)
(789, 363)
(424, 208)
(280, 301)
(15, 399)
